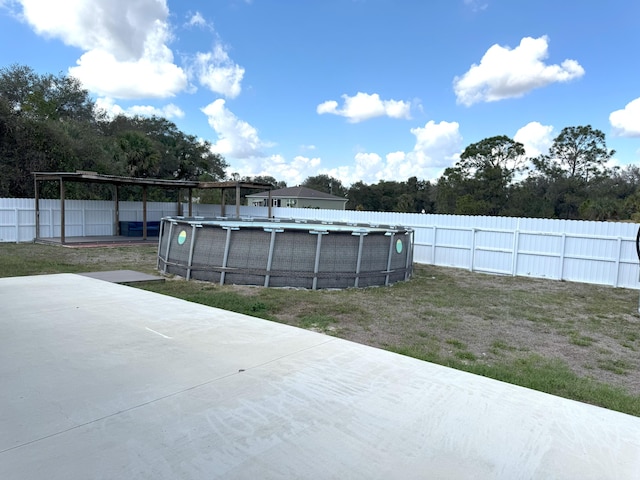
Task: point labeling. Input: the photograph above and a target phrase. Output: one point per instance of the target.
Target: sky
(361, 90)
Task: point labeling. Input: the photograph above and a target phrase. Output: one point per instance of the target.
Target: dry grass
(452, 314)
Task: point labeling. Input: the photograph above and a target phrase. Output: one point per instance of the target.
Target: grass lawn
(574, 340)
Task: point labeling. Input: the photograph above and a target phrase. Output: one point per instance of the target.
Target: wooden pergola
(145, 183)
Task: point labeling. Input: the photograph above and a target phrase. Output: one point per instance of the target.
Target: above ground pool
(284, 253)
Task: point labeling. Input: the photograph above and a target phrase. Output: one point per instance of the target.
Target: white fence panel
(592, 252)
(98, 222)
(493, 251)
(9, 225)
(16, 220)
(539, 255)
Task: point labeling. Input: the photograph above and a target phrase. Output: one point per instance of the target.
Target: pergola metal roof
(120, 181)
(93, 177)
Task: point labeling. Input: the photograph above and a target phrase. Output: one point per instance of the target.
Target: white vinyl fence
(579, 251)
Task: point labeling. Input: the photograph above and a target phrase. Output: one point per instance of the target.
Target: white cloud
(476, 5)
(168, 111)
(508, 73)
(438, 141)
(367, 167)
(112, 109)
(330, 106)
(218, 72)
(236, 138)
(536, 138)
(364, 106)
(626, 122)
(116, 26)
(109, 106)
(293, 172)
(100, 72)
(437, 146)
(125, 44)
(197, 20)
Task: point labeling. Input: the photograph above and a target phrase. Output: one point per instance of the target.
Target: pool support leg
(272, 244)
(316, 267)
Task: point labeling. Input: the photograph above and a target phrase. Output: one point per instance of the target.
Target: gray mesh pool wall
(278, 253)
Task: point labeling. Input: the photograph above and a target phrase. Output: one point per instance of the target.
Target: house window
(291, 202)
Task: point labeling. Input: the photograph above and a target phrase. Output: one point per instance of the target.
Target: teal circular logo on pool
(182, 237)
(399, 246)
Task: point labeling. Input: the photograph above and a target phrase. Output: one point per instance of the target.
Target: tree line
(50, 123)
(495, 177)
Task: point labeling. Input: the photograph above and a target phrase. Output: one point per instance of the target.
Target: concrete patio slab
(100, 380)
(123, 276)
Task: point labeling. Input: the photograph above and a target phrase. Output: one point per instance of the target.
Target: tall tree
(46, 124)
(451, 185)
(388, 195)
(360, 197)
(420, 191)
(45, 97)
(180, 156)
(574, 169)
(138, 154)
(529, 198)
(499, 154)
(480, 182)
(578, 152)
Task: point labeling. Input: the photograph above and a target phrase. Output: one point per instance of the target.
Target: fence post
(433, 246)
(564, 243)
(16, 212)
(615, 282)
(473, 249)
(516, 246)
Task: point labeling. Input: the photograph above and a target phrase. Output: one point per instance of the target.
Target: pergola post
(116, 201)
(62, 233)
(190, 202)
(37, 199)
(222, 204)
(144, 212)
(237, 200)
